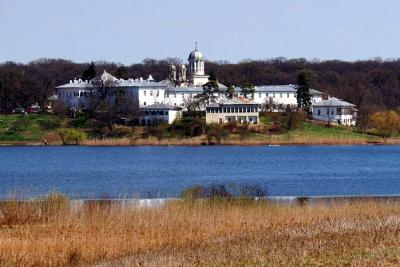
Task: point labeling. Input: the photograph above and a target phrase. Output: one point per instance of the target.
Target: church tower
(196, 68)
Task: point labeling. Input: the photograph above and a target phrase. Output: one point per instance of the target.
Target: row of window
(156, 112)
(231, 109)
(156, 93)
(240, 119)
(260, 95)
(73, 94)
(347, 121)
(328, 112)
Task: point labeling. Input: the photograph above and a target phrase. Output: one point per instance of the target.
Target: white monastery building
(187, 81)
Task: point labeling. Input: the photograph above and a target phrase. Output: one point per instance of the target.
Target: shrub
(251, 190)
(295, 120)
(187, 127)
(217, 132)
(71, 136)
(243, 131)
(158, 131)
(223, 190)
(386, 124)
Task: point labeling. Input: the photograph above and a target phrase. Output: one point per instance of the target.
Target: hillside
(32, 129)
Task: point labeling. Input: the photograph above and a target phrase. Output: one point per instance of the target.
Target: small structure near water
(159, 113)
(334, 110)
(239, 109)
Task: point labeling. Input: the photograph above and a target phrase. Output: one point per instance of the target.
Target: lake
(119, 172)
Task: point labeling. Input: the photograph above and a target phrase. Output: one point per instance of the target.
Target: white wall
(150, 95)
(170, 118)
(329, 114)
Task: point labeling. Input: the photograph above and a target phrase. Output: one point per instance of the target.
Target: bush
(187, 127)
(386, 124)
(223, 190)
(295, 120)
(217, 132)
(71, 136)
(158, 131)
(251, 190)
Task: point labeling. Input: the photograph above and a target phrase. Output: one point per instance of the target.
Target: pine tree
(89, 73)
(303, 92)
(212, 76)
(230, 91)
(248, 90)
(121, 72)
(210, 90)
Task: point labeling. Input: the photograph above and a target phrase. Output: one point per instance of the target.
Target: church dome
(195, 54)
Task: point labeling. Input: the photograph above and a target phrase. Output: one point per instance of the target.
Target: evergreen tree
(89, 73)
(303, 92)
(212, 76)
(230, 91)
(121, 72)
(210, 91)
(248, 90)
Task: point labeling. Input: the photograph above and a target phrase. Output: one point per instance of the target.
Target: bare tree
(269, 105)
(191, 104)
(130, 110)
(104, 102)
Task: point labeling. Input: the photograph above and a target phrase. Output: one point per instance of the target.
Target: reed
(50, 232)
(261, 139)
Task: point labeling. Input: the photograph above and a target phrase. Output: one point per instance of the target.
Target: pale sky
(127, 31)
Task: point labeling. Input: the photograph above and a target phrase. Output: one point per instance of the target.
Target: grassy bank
(209, 232)
(20, 129)
(31, 129)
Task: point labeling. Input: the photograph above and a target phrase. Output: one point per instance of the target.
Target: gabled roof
(333, 102)
(160, 106)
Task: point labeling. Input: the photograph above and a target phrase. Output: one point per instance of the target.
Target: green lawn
(30, 127)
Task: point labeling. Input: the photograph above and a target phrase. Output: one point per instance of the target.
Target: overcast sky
(127, 31)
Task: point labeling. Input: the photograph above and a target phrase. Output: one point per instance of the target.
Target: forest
(372, 85)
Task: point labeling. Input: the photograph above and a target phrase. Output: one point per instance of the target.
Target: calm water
(88, 172)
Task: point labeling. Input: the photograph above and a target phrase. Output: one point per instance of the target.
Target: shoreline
(175, 143)
(273, 199)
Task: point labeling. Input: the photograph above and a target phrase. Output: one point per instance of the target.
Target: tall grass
(235, 140)
(50, 232)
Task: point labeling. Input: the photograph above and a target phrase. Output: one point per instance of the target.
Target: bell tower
(196, 67)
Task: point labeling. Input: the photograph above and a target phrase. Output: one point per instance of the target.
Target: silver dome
(195, 54)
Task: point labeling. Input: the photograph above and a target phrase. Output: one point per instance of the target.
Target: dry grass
(51, 233)
(234, 140)
(125, 141)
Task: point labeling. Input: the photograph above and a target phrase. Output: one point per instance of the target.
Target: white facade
(196, 68)
(157, 113)
(148, 92)
(335, 111)
(239, 110)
